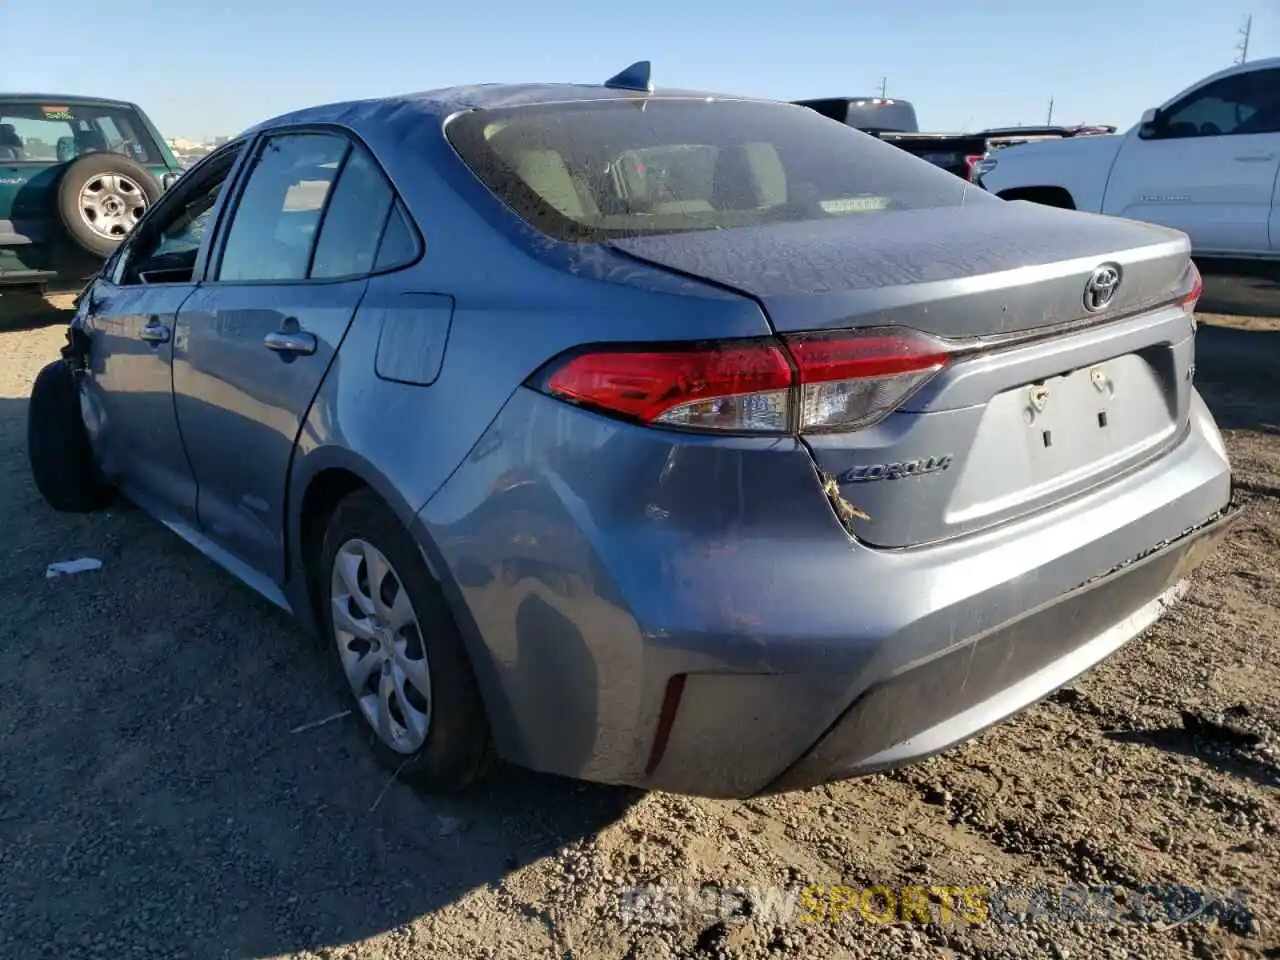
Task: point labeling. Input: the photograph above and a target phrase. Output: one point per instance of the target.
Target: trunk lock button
(1039, 397)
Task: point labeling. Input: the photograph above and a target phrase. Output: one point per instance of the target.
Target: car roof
(67, 98)
(869, 96)
(446, 101)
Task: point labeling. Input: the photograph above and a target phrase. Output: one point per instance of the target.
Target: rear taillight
(718, 386)
(805, 383)
(850, 381)
(971, 166)
(1193, 283)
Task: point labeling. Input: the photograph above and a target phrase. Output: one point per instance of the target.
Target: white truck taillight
(1193, 284)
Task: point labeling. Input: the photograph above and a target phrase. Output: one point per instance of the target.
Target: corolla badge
(1101, 288)
(895, 471)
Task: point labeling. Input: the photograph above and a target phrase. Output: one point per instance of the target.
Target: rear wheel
(400, 656)
(58, 448)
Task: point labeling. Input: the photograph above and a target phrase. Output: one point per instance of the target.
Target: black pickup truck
(894, 121)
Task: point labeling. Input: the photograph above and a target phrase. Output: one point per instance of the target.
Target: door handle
(155, 331)
(1255, 157)
(295, 342)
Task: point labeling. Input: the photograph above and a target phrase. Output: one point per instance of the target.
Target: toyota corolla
(693, 442)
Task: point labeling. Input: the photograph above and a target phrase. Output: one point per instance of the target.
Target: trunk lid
(992, 267)
(1058, 401)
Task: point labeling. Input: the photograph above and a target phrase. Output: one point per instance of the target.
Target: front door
(255, 341)
(1207, 166)
(131, 317)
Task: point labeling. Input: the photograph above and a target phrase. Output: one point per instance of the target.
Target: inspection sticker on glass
(854, 204)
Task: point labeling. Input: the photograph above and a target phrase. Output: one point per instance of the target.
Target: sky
(202, 69)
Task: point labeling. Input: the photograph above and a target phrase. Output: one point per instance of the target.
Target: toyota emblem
(1101, 288)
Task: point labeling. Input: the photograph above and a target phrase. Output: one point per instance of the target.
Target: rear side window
(352, 227)
(590, 171)
(399, 242)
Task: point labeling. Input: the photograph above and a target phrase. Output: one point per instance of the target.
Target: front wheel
(401, 658)
(58, 448)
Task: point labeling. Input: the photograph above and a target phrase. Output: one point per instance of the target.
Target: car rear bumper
(930, 706)
(749, 645)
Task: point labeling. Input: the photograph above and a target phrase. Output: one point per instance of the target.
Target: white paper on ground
(79, 565)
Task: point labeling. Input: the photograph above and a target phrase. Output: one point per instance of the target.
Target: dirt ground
(158, 800)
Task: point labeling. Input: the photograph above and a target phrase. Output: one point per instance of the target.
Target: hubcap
(111, 205)
(380, 644)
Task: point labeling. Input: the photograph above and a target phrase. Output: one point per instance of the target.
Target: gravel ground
(157, 799)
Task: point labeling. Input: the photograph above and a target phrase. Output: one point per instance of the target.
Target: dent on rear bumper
(589, 561)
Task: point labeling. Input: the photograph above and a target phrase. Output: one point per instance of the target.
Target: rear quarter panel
(514, 301)
(517, 302)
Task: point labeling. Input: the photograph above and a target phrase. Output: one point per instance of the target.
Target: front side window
(589, 171)
(61, 132)
(1241, 104)
(165, 249)
(273, 230)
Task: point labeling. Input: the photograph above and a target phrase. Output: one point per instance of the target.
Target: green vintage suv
(76, 173)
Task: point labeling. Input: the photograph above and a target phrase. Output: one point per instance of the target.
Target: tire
(457, 748)
(120, 190)
(1045, 196)
(58, 448)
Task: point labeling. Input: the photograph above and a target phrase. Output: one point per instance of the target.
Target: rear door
(254, 343)
(1208, 166)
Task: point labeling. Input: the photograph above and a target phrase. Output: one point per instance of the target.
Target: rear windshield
(59, 132)
(882, 116)
(594, 170)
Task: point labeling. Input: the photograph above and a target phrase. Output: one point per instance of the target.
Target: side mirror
(1149, 125)
(169, 179)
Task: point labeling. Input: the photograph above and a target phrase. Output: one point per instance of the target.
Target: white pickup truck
(1206, 163)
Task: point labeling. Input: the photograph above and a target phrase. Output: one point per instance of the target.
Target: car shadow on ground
(26, 310)
(1240, 288)
(1237, 359)
(166, 788)
(1238, 374)
(1221, 756)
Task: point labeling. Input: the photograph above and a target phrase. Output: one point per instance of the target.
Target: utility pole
(884, 85)
(1049, 122)
(1243, 45)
